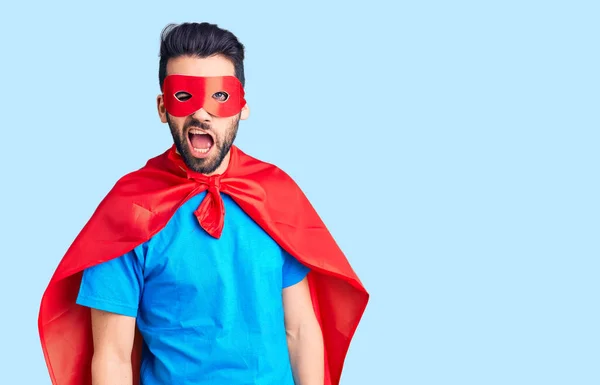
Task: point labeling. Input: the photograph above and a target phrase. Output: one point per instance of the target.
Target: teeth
(201, 150)
(196, 131)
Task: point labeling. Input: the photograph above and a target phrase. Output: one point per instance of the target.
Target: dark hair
(199, 40)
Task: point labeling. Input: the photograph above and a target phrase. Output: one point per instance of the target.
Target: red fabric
(141, 203)
(201, 90)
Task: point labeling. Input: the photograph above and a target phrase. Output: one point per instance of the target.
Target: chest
(190, 276)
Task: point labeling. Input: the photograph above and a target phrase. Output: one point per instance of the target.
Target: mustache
(193, 122)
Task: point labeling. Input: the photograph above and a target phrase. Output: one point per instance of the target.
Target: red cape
(139, 206)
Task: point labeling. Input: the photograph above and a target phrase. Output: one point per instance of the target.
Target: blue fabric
(210, 310)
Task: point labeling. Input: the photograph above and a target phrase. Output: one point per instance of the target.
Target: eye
(221, 96)
(182, 96)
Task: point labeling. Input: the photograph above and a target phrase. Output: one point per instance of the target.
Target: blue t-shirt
(210, 310)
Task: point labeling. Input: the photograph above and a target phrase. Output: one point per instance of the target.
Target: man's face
(202, 139)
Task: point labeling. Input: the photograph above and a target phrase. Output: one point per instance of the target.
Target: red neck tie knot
(214, 182)
(211, 211)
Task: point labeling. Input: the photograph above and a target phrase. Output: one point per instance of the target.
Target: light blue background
(451, 148)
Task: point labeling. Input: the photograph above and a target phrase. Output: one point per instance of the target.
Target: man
(204, 254)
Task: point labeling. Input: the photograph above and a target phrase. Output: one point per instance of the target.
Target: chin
(203, 165)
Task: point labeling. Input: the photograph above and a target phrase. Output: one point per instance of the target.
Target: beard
(221, 146)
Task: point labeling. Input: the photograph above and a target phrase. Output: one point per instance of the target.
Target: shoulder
(284, 199)
(268, 172)
(136, 203)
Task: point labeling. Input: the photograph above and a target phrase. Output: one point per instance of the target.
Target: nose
(202, 115)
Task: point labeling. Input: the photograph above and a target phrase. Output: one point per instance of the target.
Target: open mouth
(200, 142)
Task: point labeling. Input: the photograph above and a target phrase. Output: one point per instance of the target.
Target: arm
(112, 290)
(304, 336)
(113, 336)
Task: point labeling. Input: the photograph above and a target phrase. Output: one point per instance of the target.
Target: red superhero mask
(222, 96)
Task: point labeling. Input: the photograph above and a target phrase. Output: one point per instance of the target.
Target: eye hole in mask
(221, 96)
(183, 96)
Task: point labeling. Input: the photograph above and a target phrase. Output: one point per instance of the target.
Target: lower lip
(199, 154)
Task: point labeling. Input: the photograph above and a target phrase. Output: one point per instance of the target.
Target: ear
(162, 111)
(245, 112)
